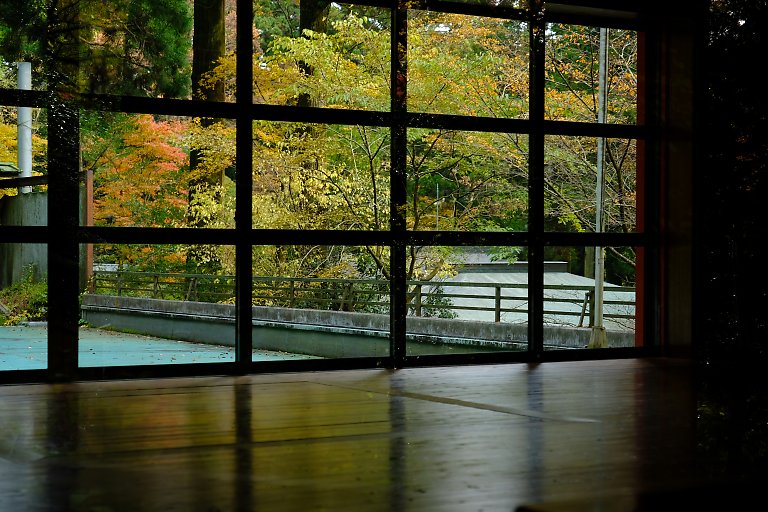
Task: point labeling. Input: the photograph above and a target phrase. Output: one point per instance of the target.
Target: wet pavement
(24, 347)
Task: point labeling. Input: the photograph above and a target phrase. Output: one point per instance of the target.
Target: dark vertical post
(62, 55)
(398, 178)
(63, 249)
(647, 297)
(536, 183)
(244, 185)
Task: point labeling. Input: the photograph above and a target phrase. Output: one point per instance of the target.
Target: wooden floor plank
(554, 436)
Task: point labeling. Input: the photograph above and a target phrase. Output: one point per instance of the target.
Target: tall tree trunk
(313, 15)
(208, 46)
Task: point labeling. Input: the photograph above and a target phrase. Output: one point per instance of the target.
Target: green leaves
(350, 64)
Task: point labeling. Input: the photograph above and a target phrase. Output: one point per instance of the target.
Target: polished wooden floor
(615, 435)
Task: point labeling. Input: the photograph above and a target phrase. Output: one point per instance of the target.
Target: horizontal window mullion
(23, 98)
(458, 238)
(322, 237)
(612, 17)
(487, 10)
(137, 235)
(613, 131)
(163, 106)
(289, 236)
(320, 115)
(25, 234)
(466, 123)
(361, 117)
(148, 235)
(608, 15)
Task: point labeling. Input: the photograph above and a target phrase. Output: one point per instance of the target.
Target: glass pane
(573, 312)
(23, 154)
(467, 65)
(320, 177)
(22, 34)
(329, 55)
(570, 184)
(158, 304)
(321, 301)
(573, 74)
(158, 171)
(467, 181)
(150, 49)
(463, 300)
(23, 306)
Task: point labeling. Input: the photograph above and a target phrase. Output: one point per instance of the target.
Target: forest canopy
(169, 171)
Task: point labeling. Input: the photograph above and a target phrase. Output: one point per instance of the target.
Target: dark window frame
(64, 234)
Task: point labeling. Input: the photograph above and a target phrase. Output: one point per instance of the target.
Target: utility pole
(24, 124)
(598, 337)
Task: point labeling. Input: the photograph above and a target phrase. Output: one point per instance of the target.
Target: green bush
(24, 301)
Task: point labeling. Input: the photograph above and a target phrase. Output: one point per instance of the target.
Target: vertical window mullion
(650, 62)
(244, 185)
(64, 194)
(63, 248)
(398, 88)
(536, 184)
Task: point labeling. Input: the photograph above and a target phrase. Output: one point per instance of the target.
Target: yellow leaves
(223, 73)
(571, 222)
(572, 74)
(345, 68)
(8, 142)
(210, 206)
(467, 66)
(340, 270)
(274, 78)
(9, 145)
(9, 152)
(270, 214)
(320, 177)
(268, 135)
(215, 144)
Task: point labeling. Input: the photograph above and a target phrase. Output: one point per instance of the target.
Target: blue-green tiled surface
(25, 348)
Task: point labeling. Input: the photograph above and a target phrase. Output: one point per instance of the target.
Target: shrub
(24, 301)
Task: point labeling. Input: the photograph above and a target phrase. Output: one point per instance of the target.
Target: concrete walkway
(25, 348)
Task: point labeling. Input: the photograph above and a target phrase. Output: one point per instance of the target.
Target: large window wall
(378, 184)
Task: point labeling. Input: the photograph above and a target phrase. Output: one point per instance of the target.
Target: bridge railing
(496, 302)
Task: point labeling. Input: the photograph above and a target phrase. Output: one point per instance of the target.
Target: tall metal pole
(598, 337)
(24, 124)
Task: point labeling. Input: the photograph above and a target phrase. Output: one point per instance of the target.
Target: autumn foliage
(329, 176)
(140, 174)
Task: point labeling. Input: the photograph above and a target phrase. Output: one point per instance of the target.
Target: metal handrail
(425, 298)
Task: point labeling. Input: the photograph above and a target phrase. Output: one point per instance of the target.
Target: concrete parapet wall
(316, 332)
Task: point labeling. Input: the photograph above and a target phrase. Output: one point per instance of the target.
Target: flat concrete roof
(24, 347)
